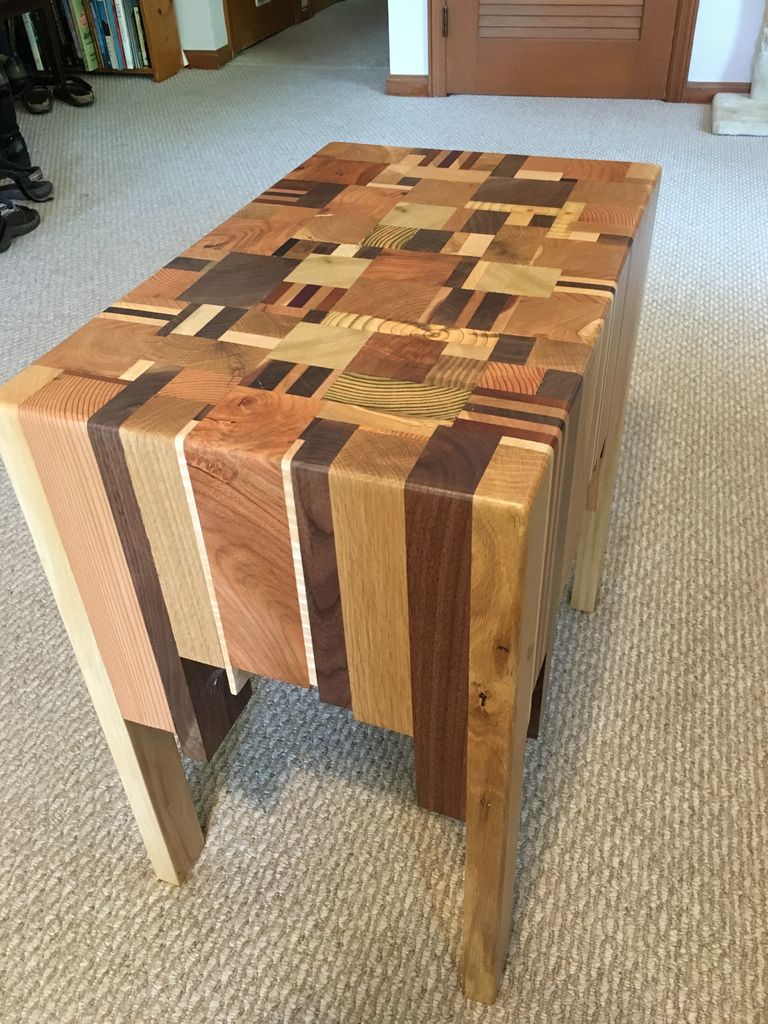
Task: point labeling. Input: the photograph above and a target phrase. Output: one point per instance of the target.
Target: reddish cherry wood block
(353, 439)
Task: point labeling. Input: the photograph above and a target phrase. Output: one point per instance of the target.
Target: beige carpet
(324, 895)
(349, 34)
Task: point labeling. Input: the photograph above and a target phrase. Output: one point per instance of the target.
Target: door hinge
(445, 20)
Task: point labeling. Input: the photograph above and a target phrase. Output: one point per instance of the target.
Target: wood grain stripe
(438, 516)
(323, 440)
(233, 457)
(104, 433)
(367, 498)
(55, 424)
(149, 442)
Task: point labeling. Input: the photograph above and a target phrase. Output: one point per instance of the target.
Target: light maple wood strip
(591, 550)
(55, 423)
(509, 528)
(367, 480)
(146, 759)
(149, 442)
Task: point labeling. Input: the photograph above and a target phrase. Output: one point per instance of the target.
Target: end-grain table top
(383, 337)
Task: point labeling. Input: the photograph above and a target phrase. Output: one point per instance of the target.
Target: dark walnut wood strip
(198, 727)
(323, 440)
(104, 433)
(215, 707)
(438, 518)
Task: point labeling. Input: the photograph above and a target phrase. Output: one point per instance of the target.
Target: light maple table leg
(147, 759)
(508, 558)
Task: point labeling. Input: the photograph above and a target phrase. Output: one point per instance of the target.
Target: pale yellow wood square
(197, 320)
(418, 215)
(255, 340)
(321, 345)
(135, 371)
(473, 244)
(332, 271)
(476, 353)
(520, 218)
(584, 236)
(644, 172)
(540, 175)
(511, 279)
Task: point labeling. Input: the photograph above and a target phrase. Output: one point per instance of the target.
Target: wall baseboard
(704, 92)
(408, 85)
(209, 60)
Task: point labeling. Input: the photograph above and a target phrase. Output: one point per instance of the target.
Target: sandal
(15, 221)
(27, 183)
(35, 96)
(74, 91)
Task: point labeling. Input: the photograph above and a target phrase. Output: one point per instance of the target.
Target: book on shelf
(34, 43)
(93, 35)
(84, 34)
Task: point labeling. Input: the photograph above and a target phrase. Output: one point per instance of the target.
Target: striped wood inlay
(561, 19)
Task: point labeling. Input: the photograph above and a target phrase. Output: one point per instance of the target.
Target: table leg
(508, 559)
(147, 759)
(591, 551)
(594, 531)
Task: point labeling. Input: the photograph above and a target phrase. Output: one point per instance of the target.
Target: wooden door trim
(682, 47)
(680, 60)
(438, 50)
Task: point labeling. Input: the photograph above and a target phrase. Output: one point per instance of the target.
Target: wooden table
(353, 439)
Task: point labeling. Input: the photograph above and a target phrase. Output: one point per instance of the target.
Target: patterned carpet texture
(324, 895)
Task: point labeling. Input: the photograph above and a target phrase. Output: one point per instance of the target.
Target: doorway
(331, 34)
(625, 49)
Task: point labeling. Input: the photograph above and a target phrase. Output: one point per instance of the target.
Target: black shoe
(74, 91)
(13, 149)
(35, 96)
(15, 221)
(24, 183)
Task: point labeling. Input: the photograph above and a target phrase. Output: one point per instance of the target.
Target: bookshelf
(163, 43)
(161, 33)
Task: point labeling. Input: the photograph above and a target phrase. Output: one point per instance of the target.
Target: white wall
(201, 24)
(725, 40)
(408, 37)
(723, 48)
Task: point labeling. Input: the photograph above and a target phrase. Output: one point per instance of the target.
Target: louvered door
(619, 49)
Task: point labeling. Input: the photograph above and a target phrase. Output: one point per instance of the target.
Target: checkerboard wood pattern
(329, 441)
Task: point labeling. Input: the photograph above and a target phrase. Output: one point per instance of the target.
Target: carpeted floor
(324, 895)
(348, 34)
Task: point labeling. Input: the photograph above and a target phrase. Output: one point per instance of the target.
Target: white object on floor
(746, 115)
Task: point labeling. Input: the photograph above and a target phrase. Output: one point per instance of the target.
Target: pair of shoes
(35, 95)
(15, 221)
(18, 177)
